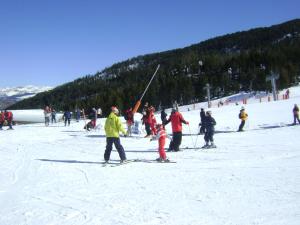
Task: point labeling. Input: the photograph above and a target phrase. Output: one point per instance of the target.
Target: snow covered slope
(55, 174)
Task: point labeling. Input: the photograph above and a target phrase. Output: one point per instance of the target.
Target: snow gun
(138, 103)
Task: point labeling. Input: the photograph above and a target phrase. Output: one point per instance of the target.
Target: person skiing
(9, 118)
(209, 124)
(161, 137)
(113, 127)
(145, 119)
(77, 114)
(243, 116)
(202, 118)
(2, 119)
(47, 114)
(67, 117)
(129, 120)
(296, 114)
(93, 117)
(53, 116)
(163, 116)
(151, 120)
(176, 120)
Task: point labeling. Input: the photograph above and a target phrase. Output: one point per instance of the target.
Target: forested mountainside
(230, 63)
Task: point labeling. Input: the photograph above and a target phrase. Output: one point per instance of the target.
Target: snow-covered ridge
(11, 95)
(25, 90)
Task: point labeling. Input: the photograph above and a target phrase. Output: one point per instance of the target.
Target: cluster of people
(6, 118)
(49, 113)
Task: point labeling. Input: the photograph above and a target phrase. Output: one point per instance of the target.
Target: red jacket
(176, 121)
(8, 116)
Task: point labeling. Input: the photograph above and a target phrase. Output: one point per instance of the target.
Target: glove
(200, 124)
(125, 135)
(187, 123)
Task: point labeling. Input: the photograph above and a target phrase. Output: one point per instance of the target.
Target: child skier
(161, 137)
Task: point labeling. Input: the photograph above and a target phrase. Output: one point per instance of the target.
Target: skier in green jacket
(113, 127)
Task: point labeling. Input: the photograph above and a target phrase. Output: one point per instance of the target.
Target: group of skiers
(6, 118)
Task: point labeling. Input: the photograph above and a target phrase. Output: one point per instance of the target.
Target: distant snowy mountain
(10, 95)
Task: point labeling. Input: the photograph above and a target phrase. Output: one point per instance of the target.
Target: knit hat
(115, 109)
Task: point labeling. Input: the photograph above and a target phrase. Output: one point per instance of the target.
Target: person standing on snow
(47, 114)
(161, 137)
(113, 127)
(243, 116)
(2, 119)
(151, 120)
(296, 114)
(202, 118)
(9, 118)
(209, 124)
(163, 116)
(176, 120)
(53, 116)
(129, 117)
(67, 117)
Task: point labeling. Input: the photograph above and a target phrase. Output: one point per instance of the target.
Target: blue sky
(50, 42)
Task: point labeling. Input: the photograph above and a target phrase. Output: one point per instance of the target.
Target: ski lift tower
(207, 87)
(273, 77)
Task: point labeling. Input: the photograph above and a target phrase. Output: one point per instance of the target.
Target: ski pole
(191, 134)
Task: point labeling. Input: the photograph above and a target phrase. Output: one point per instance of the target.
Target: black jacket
(209, 123)
(202, 116)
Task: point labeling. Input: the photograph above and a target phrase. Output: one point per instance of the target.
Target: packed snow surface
(55, 175)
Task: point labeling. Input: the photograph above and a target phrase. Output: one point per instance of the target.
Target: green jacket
(113, 126)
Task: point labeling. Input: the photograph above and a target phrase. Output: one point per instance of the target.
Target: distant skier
(77, 114)
(161, 137)
(2, 119)
(129, 117)
(243, 116)
(67, 117)
(202, 118)
(152, 120)
(94, 117)
(47, 114)
(163, 116)
(296, 114)
(9, 118)
(287, 94)
(53, 116)
(209, 124)
(176, 120)
(113, 127)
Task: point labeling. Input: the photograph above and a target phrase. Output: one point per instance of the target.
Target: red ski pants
(161, 148)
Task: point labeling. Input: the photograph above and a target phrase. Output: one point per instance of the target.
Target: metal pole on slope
(138, 103)
(207, 88)
(273, 77)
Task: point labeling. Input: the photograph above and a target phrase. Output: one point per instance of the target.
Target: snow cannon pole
(138, 103)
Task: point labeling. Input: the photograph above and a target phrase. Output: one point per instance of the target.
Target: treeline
(231, 63)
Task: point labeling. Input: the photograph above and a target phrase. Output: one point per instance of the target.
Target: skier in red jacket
(2, 119)
(176, 120)
(8, 117)
(161, 137)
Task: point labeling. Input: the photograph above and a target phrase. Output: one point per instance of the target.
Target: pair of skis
(115, 163)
